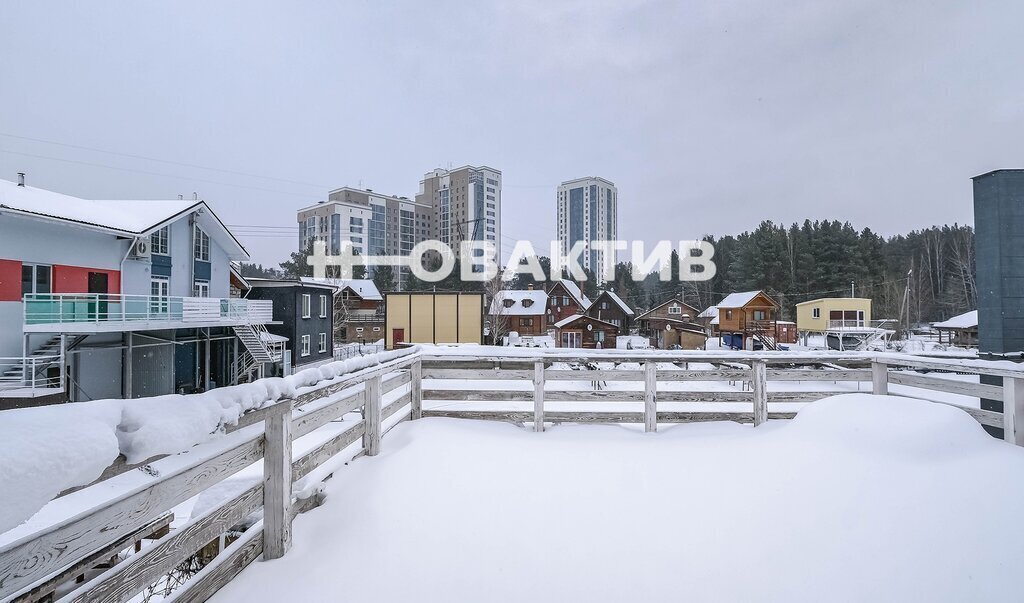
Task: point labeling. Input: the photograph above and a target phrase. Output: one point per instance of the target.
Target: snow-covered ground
(858, 498)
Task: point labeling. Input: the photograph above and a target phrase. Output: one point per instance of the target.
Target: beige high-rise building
(466, 204)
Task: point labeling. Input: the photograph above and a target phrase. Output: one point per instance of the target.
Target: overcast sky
(709, 116)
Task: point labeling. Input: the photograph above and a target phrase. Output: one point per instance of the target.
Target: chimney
(21, 178)
(180, 197)
(529, 287)
(195, 196)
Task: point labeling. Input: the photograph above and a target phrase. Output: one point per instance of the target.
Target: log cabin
(747, 321)
(609, 307)
(581, 331)
(565, 299)
(671, 325)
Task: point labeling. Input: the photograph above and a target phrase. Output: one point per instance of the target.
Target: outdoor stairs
(51, 347)
(767, 339)
(250, 338)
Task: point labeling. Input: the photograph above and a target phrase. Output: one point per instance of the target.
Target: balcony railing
(103, 308)
(851, 324)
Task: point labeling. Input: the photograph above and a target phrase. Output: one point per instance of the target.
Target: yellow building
(427, 317)
(833, 314)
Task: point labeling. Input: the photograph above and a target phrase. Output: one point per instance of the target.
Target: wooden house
(582, 331)
(609, 307)
(565, 299)
(747, 321)
(671, 324)
(358, 309)
(523, 312)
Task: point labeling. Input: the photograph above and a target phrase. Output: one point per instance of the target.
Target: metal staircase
(251, 337)
(32, 369)
(765, 336)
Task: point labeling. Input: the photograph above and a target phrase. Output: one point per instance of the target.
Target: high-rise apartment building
(588, 211)
(466, 205)
(375, 224)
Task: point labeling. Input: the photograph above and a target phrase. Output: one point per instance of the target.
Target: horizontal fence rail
(530, 390)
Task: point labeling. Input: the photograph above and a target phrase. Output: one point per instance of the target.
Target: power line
(169, 162)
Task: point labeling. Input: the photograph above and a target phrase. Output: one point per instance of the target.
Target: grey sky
(709, 116)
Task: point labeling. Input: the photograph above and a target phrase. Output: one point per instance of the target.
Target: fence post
(277, 481)
(371, 416)
(538, 395)
(759, 385)
(1013, 410)
(879, 378)
(650, 396)
(416, 389)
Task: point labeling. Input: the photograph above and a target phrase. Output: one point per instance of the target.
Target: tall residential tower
(588, 211)
(466, 203)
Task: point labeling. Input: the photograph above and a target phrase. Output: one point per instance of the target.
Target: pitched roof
(667, 302)
(739, 300)
(966, 320)
(135, 217)
(518, 308)
(618, 300)
(571, 319)
(363, 287)
(575, 291)
(710, 312)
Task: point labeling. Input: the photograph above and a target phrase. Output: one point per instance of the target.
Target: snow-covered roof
(714, 321)
(711, 312)
(518, 308)
(618, 300)
(738, 300)
(286, 282)
(671, 300)
(267, 337)
(575, 291)
(137, 217)
(966, 320)
(567, 320)
(363, 287)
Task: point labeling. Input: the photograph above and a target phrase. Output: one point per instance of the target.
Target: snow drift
(49, 449)
(861, 498)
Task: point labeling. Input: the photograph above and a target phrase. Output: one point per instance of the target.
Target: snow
(621, 304)
(567, 320)
(83, 438)
(859, 498)
(966, 320)
(364, 288)
(632, 342)
(43, 454)
(132, 216)
(711, 312)
(538, 297)
(576, 292)
(738, 300)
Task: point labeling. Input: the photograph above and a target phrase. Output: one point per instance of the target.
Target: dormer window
(527, 303)
(508, 302)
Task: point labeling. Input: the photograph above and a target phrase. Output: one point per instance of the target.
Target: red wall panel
(10, 280)
(75, 279)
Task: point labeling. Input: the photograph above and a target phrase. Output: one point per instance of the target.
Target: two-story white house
(111, 299)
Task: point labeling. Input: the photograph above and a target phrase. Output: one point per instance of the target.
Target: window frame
(304, 351)
(200, 244)
(160, 241)
(34, 280)
(322, 343)
(323, 306)
(307, 305)
(200, 288)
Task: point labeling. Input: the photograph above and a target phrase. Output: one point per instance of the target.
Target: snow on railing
(98, 308)
(362, 393)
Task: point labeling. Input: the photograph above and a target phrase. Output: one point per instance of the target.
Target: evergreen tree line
(927, 273)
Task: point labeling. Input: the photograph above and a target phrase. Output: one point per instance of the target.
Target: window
(35, 279)
(526, 302)
(816, 313)
(565, 300)
(760, 315)
(508, 303)
(323, 342)
(305, 305)
(201, 289)
(305, 345)
(201, 245)
(526, 322)
(159, 289)
(675, 310)
(323, 306)
(604, 305)
(160, 241)
(599, 336)
(728, 314)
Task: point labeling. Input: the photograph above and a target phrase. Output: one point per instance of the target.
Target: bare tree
(500, 321)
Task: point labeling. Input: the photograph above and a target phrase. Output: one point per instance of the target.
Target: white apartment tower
(466, 204)
(588, 211)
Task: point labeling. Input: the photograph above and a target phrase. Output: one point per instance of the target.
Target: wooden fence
(30, 566)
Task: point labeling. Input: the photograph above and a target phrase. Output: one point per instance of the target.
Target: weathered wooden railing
(27, 565)
(754, 371)
(424, 383)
